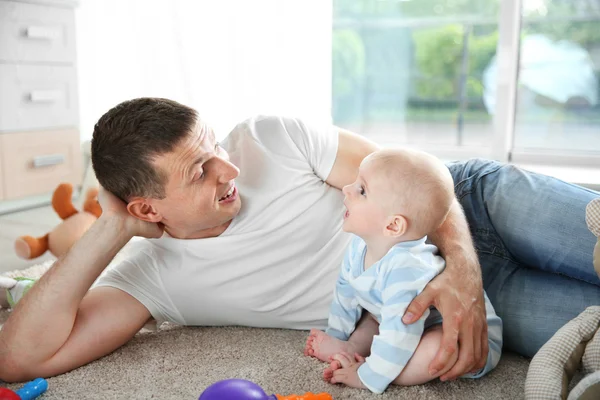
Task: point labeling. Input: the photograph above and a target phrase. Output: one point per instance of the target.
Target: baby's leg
(362, 337)
(416, 371)
(322, 346)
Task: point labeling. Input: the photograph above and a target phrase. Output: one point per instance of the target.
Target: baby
(398, 198)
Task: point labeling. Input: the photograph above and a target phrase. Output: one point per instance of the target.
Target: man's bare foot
(322, 346)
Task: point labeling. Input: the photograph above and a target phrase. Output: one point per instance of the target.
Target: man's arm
(58, 325)
(352, 148)
(457, 292)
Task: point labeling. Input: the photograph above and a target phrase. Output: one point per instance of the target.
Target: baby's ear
(397, 226)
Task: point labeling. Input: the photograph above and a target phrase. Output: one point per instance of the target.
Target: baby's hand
(344, 369)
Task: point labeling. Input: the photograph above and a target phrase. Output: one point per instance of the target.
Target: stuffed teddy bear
(577, 344)
(58, 241)
(592, 218)
(65, 234)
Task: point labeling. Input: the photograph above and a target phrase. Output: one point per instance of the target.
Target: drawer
(36, 33)
(36, 162)
(37, 97)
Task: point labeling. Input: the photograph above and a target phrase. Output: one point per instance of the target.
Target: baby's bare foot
(334, 364)
(328, 374)
(322, 346)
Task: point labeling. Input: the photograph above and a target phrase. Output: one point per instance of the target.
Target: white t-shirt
(277, 263)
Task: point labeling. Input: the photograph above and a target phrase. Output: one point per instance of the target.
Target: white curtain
(228, 59)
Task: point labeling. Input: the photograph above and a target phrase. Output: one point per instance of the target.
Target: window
(559, 77)
(428, 73)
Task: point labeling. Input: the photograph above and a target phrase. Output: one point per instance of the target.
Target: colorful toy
(64, 235)
(240, 389)
(15, 289)
(30, 391)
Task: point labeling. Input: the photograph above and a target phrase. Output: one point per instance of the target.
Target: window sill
(588, 177)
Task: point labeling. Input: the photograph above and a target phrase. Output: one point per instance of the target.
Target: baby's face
(365, 202)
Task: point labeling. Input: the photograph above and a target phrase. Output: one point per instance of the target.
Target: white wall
(228, 59)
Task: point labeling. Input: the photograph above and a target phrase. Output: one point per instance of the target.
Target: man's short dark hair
(129, 136)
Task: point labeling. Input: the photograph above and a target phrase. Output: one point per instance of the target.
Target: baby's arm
(344, 312)
(398, 343)
(343, 317)
(394, 346)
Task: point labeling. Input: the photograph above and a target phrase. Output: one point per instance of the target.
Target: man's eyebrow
(202, 158)
(199, 160)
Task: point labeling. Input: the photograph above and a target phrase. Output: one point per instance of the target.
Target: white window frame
(507, 58)
(508, 69)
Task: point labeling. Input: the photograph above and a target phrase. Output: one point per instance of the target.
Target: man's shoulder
(268, 123)
(255, 128)
(270, 118)
(138, 251)
(283, 135)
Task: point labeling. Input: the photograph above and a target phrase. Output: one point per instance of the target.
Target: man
(249, 233)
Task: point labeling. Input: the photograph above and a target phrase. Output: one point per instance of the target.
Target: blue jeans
(534, 248)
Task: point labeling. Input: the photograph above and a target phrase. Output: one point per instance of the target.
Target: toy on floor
(15, 288)
(30, 391)
(575, 345)
(65, 234)
(240, 389)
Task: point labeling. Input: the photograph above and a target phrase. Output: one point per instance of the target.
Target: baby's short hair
(421, 187)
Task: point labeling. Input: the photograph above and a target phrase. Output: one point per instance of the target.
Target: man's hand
(113, 207)
(344, 369)
(460, 300)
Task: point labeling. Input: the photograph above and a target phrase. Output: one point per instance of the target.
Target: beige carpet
(179, 362)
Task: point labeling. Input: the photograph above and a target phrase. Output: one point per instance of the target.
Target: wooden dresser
(39, 134)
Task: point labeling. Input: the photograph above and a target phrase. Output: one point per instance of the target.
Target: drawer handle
(48, 160)
(44, 96)
(42, 32)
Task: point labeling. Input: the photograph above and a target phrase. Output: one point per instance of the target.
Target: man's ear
(397, 226)
(141, 208)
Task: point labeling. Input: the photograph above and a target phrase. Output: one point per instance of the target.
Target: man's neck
(203, 234)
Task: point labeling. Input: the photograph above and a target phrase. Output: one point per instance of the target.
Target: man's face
(365, 215)
(201, 196)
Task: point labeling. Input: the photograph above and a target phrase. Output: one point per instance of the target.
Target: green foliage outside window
(439, 55)
(362, 60)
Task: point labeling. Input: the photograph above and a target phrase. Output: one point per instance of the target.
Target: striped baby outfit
(385, 290)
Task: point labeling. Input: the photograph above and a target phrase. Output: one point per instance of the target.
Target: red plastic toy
(30, 391)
